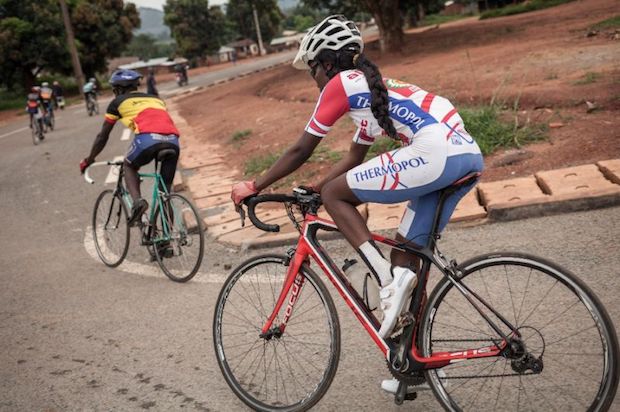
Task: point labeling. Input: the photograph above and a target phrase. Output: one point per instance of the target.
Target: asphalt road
(76, 335)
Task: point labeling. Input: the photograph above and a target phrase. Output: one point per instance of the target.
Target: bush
(11, 100)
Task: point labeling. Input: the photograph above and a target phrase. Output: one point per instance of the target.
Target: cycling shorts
(417, 173)
(145, 146)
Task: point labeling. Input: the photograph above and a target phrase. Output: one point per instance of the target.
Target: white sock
(375, 260)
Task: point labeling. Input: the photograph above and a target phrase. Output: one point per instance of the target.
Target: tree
(32, 36)
(197, 28)
(386, 13)
(239, 12)
(31, 39)
(103, 29)
(145, 46)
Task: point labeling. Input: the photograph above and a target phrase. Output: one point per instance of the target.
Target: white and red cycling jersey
(410, 108)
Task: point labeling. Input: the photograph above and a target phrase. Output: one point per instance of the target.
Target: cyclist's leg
(169, 165)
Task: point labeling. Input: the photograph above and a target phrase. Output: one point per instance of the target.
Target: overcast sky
(159, 4)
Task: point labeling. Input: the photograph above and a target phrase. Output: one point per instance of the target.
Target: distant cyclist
(59, 98)
(90, 90)
(47, 98)
(34, 106)
(154, 130)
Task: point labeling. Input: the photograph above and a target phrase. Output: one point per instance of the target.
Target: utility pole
(75, 60)
(261, 51)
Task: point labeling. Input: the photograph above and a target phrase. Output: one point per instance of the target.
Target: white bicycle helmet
(333, 33)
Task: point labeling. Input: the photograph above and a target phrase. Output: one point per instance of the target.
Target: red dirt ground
(536, 59)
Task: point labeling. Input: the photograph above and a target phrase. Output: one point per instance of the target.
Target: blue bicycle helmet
(125, 78)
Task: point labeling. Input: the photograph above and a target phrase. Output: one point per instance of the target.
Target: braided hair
(349, 57)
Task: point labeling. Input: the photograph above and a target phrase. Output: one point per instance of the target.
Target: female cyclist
(437, 150)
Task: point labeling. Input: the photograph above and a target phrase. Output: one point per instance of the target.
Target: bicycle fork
(293, 282)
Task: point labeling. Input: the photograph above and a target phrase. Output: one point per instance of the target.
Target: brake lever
(239, 209)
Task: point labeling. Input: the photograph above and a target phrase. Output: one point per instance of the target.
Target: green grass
(589, 77)
(491, 132)
(522, 8)
(240, 135)
(613, 22)
(433, 19)
(258, 164)
(11, 100)
(322, 153)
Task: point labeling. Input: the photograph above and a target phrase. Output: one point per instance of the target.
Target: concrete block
(177, 183)
(469, 208)
(243, 235)
(383, 217)
(211, 201)
(576, 182)
(523, 190)
(232, 216)
(610, 169)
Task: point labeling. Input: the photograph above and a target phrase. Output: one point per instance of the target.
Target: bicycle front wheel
(567, 352)
(289, 371)
(110, 229)
(35, 129)
(178, 238)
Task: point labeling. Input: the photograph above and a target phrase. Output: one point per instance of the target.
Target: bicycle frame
(159, 192)
(308, 246)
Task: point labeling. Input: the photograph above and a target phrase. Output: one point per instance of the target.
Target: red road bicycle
(511, 331)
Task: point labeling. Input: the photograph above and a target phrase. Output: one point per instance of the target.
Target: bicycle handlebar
(106, 163)
(252, 202)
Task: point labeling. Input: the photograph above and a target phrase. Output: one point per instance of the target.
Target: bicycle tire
(272, 270)
(188, 231)
(564, 372)
(52, 122)
(34, 128)
(116, 214)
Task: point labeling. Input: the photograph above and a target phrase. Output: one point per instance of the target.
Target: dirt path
(543, 61)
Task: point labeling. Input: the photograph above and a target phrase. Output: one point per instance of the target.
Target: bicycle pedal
(405, 319)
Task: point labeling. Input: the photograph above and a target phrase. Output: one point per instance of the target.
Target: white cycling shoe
(394, 296)
(391, 385)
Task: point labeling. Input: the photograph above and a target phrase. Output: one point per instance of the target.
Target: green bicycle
(172, 233)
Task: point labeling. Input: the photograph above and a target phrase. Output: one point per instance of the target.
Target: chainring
(411, 378)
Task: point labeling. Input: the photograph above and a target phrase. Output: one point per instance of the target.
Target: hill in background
(153, 23)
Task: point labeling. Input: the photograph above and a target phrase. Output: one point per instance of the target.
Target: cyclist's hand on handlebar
(242, 190)
(84, 164)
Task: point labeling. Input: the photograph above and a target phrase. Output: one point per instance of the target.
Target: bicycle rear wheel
(110, 229)
(288, 371)
(570, 349)
(180, 247)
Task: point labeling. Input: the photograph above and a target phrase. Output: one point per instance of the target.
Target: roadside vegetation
(522, 8)
(611, 23)
(434, 19)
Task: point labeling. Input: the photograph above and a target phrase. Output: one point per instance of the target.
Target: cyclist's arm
(100, 141)
(355, 156)
(291, 160)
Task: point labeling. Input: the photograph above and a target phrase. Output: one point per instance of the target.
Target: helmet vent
(334, 31)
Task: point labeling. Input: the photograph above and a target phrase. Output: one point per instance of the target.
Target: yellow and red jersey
(142, 113)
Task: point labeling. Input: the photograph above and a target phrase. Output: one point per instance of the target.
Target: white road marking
(146, 270)
(126, 134)
(2, 136)
(113, 173)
